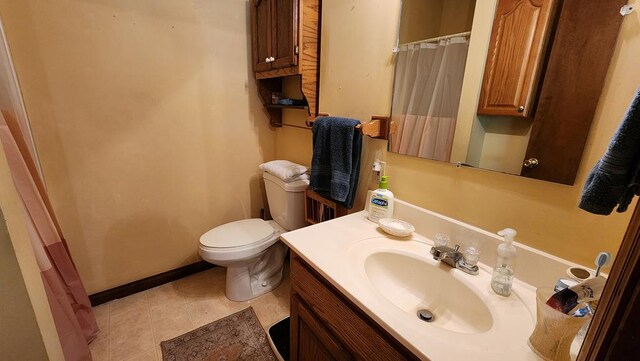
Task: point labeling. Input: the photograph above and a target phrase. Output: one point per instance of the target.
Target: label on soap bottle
(379, 207)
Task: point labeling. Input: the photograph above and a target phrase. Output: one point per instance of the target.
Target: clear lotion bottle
(502, 278)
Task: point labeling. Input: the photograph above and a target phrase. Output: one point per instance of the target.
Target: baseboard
(147, 283)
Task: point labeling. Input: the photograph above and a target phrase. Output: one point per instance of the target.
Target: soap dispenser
(502, 278)
(381, 201)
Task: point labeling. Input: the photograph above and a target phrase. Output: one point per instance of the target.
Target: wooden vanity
(325, 325)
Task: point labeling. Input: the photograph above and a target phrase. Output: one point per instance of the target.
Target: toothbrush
(601, 260)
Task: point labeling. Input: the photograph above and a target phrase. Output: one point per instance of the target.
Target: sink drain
(426, 315)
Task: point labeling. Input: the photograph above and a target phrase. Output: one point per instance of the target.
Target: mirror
(479, 87)
(431, 55)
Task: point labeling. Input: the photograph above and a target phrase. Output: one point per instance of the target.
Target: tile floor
(132, 327)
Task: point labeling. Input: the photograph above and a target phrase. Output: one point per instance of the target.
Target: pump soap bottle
(381, 202)
(502, 278)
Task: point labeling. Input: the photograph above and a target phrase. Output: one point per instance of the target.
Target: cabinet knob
(521, 109)
(272, 59)
(267, 60)
(531, 163)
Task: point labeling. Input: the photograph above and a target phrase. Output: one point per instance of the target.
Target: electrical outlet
(379, 168)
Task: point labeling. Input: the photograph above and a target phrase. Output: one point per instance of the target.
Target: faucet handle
(471, 256)
(456, 247)
(441, 240)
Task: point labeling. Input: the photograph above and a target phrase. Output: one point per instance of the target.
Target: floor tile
(138, 300)
(148, 355)
(208, 310)
(170, 321)
(271, 307)
(133, 327)
(101, 314)
(131, 335)
(100, 347)
(163, 295)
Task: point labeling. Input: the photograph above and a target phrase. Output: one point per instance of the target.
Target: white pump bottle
(502, 278)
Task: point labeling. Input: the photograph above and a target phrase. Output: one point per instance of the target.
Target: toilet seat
(237, 234)
(239, 240)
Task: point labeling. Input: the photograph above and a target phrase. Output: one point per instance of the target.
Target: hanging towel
(285, 170)
(615, 179)
(335, 166)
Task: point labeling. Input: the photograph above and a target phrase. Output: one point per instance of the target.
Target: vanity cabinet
(325, 325)
(285, 42)
(517, 51)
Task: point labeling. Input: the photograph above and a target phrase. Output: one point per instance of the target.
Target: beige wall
(420, 19)
(424, 19)
(148, 125)
(545, 214)
(457, 16)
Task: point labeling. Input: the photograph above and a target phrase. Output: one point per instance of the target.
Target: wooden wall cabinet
(286, 42)
(275, 35)
(325, 325)
(517, 51)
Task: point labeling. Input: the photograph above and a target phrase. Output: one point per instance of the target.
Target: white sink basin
(412, 284)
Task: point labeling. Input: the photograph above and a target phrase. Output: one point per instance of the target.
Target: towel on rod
(285, 170)
(615, 179)
(335, 166)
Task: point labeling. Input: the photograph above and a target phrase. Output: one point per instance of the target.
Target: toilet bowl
(250, 249)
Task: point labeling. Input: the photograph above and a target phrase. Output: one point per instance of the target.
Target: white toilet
(250, 248)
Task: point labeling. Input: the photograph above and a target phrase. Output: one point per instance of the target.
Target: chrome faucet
(453, 257)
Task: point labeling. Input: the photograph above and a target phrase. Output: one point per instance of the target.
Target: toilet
(250, 248)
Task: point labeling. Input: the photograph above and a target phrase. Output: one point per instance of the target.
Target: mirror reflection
(430, 63)
(506, 90)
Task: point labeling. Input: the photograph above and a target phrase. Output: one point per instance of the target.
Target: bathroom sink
(390, 279)
(412, 283)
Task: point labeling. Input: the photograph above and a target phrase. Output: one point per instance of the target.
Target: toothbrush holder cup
(554, 332)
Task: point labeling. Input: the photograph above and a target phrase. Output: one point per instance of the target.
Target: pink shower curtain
(70, 306)
(426, 97)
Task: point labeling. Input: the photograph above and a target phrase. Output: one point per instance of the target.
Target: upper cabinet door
(516, 54)
(261, 34)
(284, 25)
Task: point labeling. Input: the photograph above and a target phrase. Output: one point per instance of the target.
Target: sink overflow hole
(426, 315)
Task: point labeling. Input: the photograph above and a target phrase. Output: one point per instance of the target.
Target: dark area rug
(235, 337)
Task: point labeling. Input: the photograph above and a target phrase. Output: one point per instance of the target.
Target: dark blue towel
(335, 166)
(615, 179)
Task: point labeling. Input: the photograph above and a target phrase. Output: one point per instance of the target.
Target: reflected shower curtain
(426, 97)
(70, 306)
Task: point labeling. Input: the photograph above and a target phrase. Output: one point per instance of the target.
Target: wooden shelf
(319, 209)
(282, 106)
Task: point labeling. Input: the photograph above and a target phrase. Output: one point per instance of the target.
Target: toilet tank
(286, 201)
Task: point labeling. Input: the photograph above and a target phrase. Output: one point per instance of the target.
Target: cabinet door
(517, 51)
(310, 341)
(261, 34)
(571, 88)
(284, 31)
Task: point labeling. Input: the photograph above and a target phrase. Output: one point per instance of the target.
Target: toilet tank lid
(295, 186)
(238, 233)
